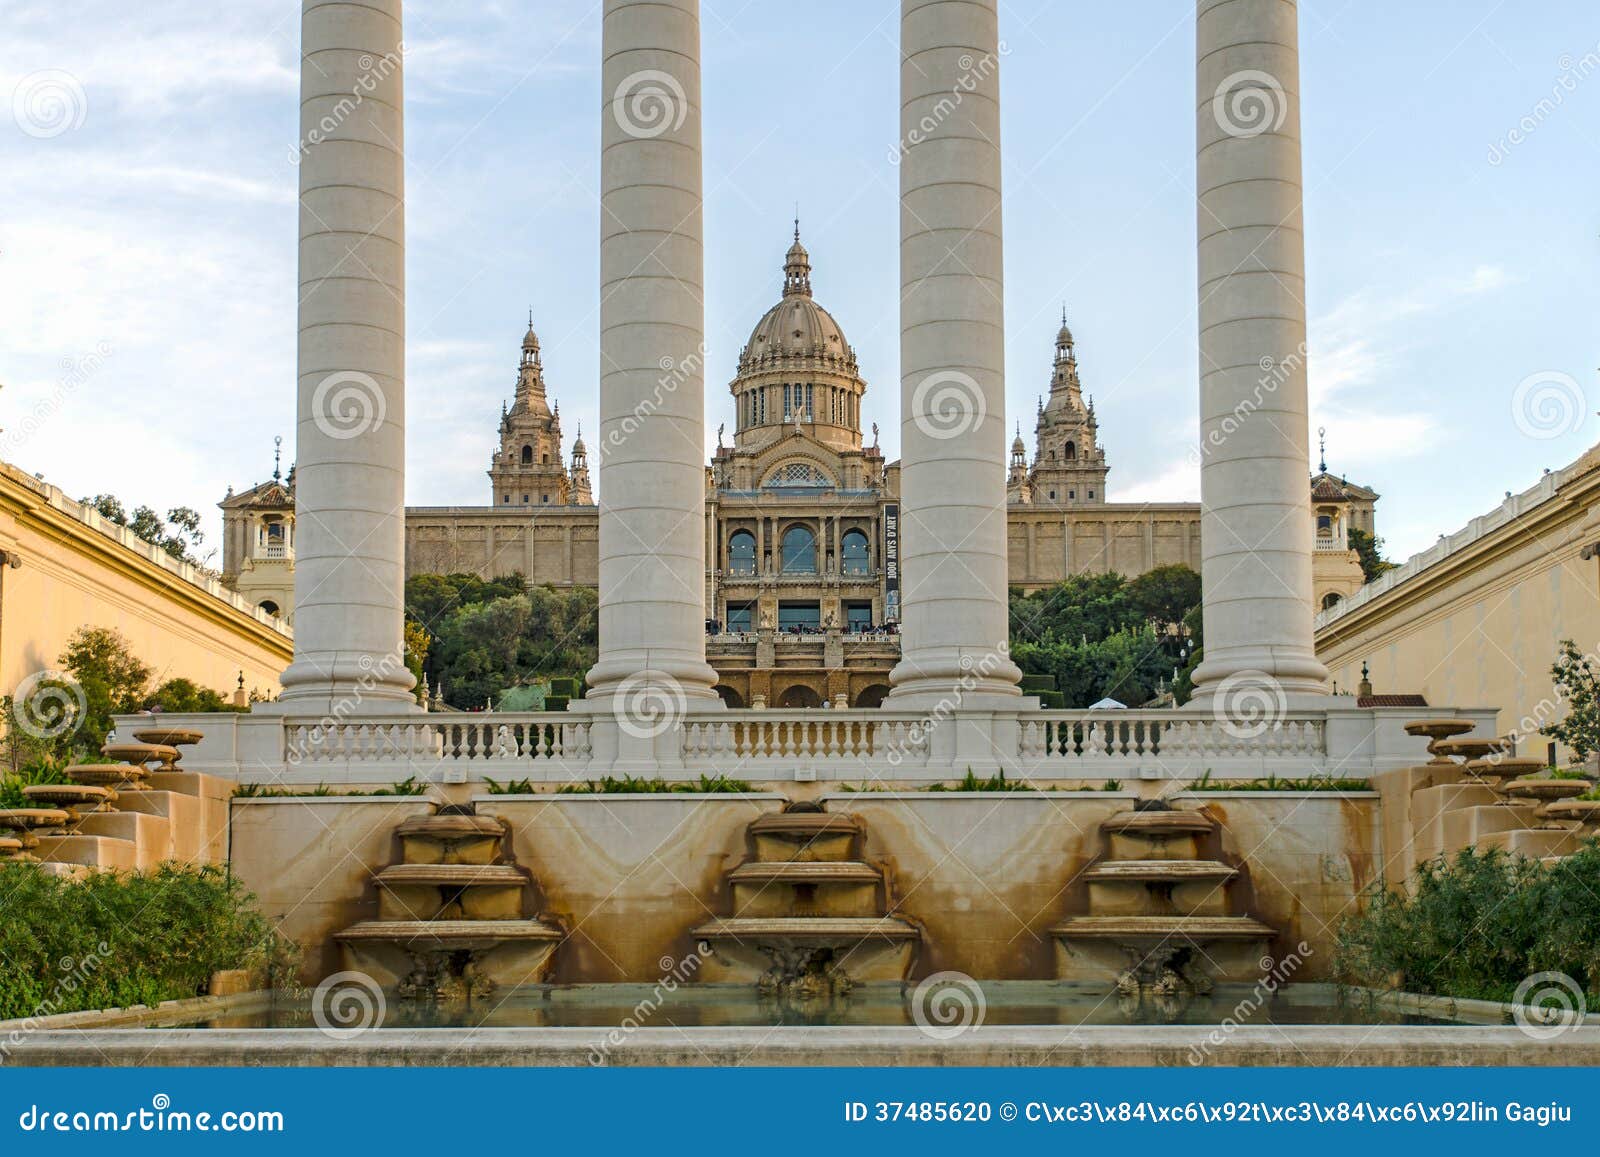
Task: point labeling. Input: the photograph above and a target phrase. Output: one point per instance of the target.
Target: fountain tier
(809, 917)
(450, 915)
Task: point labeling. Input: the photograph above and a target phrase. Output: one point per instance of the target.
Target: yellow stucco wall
(1475, 621)
(76, 569)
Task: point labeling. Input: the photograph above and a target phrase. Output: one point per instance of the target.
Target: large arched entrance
(871, 696)
(728, 695)
(799, 696)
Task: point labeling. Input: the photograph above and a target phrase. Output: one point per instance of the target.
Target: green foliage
(1102, 636)
(406, 787)
(117, 940)
(186, 695)
(1369, 548)
(1477, 925)
(1577, 681)
(1275, 783)
(41, 769)
(633, 785)
(971, 782)
(486, 636)
(178, 534)
(512, 787)
(1165, 594)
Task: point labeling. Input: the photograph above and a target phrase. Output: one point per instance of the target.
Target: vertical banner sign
(891, 563)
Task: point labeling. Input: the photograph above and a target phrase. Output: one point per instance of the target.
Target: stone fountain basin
(1438, 728)
(12, 846)
(434, 892)
(846, 888)
(1513, 768)
(1148, 931)
(506, 953)
(120, 776)
(1156, 835)
(164, 754)
(1585, 812)
(1470, 748)
(169, 736)
(1159, 887)
(804, 836)
(70, 796)
(23, 818)
(1545, 789)
(451, 839)
(870, 949)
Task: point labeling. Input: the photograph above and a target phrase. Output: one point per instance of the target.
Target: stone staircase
(1472, 795)
(131, 815)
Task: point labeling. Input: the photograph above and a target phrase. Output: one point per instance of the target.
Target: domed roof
(530, 341)
(797, 327)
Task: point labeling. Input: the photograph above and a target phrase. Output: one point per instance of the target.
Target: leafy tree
(1101, 636)
(186, 695)
(1369, 548)
(482, 648)
(178, 534)
(1164, 595)
(1577, 682)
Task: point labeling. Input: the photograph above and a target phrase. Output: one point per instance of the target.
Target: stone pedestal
(1256, 533)
(952, 352)
(350, 424)
(652, 364)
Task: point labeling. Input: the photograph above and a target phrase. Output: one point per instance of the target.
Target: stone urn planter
(1436, 729)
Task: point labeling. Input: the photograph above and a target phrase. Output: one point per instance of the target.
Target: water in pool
(1003, 1003)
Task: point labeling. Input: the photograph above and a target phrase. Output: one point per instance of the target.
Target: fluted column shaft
(954, 631)
(350, 421)
(1256, 534)
(652, 327)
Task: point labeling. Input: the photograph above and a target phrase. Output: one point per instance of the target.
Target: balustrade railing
(487, 738)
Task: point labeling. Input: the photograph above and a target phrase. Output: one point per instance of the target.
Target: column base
(979, 680)
(347, 685)
(1290, 672)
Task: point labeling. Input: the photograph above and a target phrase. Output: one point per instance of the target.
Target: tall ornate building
(527, 469)
(802, 513)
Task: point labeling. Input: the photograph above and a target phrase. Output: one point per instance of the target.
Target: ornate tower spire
(579, 491)
(797, 267)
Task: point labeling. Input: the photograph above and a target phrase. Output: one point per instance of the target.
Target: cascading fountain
(1160, 919)
(451, 917)
(809, 916)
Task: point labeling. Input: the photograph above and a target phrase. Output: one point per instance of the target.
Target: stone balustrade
(826, 744)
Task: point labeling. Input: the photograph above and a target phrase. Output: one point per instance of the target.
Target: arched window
(527, 455)
(742, 553)
(1071, 452)
(853, 553)
(269, 606)
(1330, 600)
(799, 551)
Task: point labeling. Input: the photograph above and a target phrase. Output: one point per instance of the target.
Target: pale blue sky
(147, 255)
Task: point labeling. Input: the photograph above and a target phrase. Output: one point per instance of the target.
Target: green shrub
(556, 702)
(115, 940)
(1033, 684)
(41, 769)
(634, 785)
(406, 787)
(1051, 700)
(1274, 783)
(1477, 925)
(511, 787)
(971, 782)
(567, 688)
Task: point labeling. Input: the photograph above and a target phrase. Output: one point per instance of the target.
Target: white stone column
(350, 423)
(652, 361)
(1256, 534)
(954, 630)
